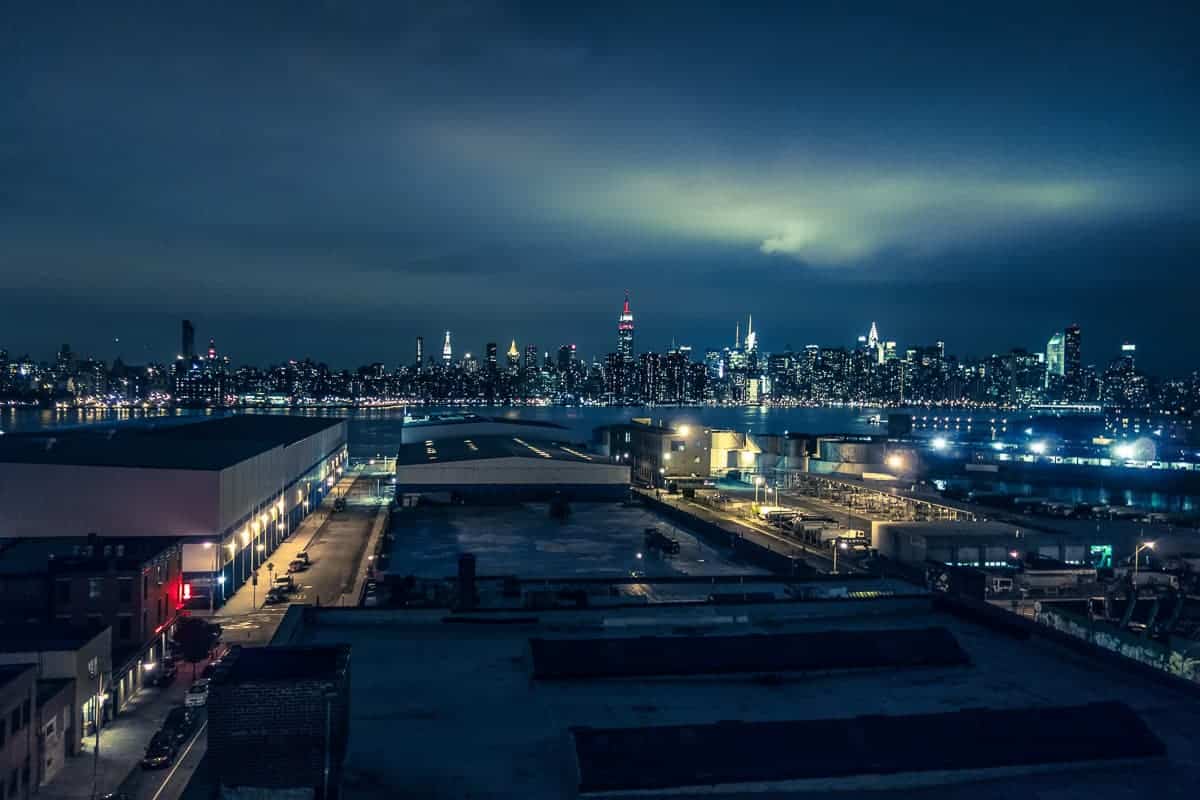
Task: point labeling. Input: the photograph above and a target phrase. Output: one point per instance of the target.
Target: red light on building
(186, 592)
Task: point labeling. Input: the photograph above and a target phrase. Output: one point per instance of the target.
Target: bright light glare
(683, 430)
(1124, 451)
(639, 555)
(1037, 448)
(758, 480)
(895, 462)
(997, 445)
(939, 443)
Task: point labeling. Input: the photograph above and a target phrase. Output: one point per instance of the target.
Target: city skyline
(396, 170)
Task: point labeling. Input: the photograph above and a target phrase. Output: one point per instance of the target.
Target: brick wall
(272, 733)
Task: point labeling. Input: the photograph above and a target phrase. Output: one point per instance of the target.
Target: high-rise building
(420, 351)
(188, 343)
(1054, 357)
(566, 357)
(514, 355)
(1074, 389)
(625, 333)
(447, 350)
(531, 358)
(492, 365)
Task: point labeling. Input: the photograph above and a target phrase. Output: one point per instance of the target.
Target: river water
(376, 432)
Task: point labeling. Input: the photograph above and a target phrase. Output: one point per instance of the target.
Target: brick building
(278, 720)
(18, 733)
(133, 585)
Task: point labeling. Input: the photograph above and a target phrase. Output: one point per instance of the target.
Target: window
(125, 589)
(124, 626)
(62, 590)
(678, 445)
(95, 588)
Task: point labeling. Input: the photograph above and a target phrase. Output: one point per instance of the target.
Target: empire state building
(625, 333)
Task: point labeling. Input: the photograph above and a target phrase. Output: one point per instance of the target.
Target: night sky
(333, 179)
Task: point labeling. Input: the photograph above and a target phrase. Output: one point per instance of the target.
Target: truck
(654, 540)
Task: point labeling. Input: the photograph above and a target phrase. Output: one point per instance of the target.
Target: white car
(197, 694)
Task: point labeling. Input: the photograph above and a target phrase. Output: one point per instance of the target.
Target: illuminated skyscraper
(420, 350)
(1054, 358)
(514, 355)
(447, 350)
(491, 357)
(1073, 382)
(625, 334)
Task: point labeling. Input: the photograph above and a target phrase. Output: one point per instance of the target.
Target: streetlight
(1136, 552)
(758, 481)
(837, 545)
(894, 461)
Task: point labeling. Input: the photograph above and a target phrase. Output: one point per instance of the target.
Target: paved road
(335, 543)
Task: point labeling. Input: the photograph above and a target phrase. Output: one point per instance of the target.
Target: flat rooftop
(597, 540)
(205, 444)
(480, 448)
(472, 716)
(473, 419)
(69, 553)
(282, 664)
(23, 638)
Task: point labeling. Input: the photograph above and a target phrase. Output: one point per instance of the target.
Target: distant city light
(1124, 451)
(894, 461)
(938, 443)
(997, 445)
(1037, 448)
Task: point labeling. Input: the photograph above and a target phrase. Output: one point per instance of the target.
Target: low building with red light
(133, 585)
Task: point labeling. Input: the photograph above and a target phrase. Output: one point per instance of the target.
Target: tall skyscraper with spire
(625, 333)
(447, 350)
(751, 336)
(874, 345)
(514, 355)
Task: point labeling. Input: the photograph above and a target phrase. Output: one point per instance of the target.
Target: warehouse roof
(208, 444)
(469, 419)
(479, 448)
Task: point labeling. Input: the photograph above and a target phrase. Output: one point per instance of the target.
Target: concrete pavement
(122, 744)
(337, 545)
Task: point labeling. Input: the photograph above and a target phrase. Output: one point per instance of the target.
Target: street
(336, 543)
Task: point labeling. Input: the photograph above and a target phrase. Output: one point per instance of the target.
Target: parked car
(284, 583)
(180, 723)
(296, 565)
(275, 596)
(160, 752)
(303, 556)
(197, 694)
(161, 673)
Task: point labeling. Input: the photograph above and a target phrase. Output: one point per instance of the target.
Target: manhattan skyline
(498, 169)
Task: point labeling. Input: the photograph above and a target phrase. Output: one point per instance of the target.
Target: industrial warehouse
(231, 488)
(506, 468)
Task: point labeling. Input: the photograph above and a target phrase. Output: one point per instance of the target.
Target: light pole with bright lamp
(836, 546)
(1137, 551)
(758, 481)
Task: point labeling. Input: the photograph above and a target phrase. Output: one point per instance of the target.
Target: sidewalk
(122, 743)
(249, 598)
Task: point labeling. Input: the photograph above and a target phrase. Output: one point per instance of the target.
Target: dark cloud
(336, 178)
